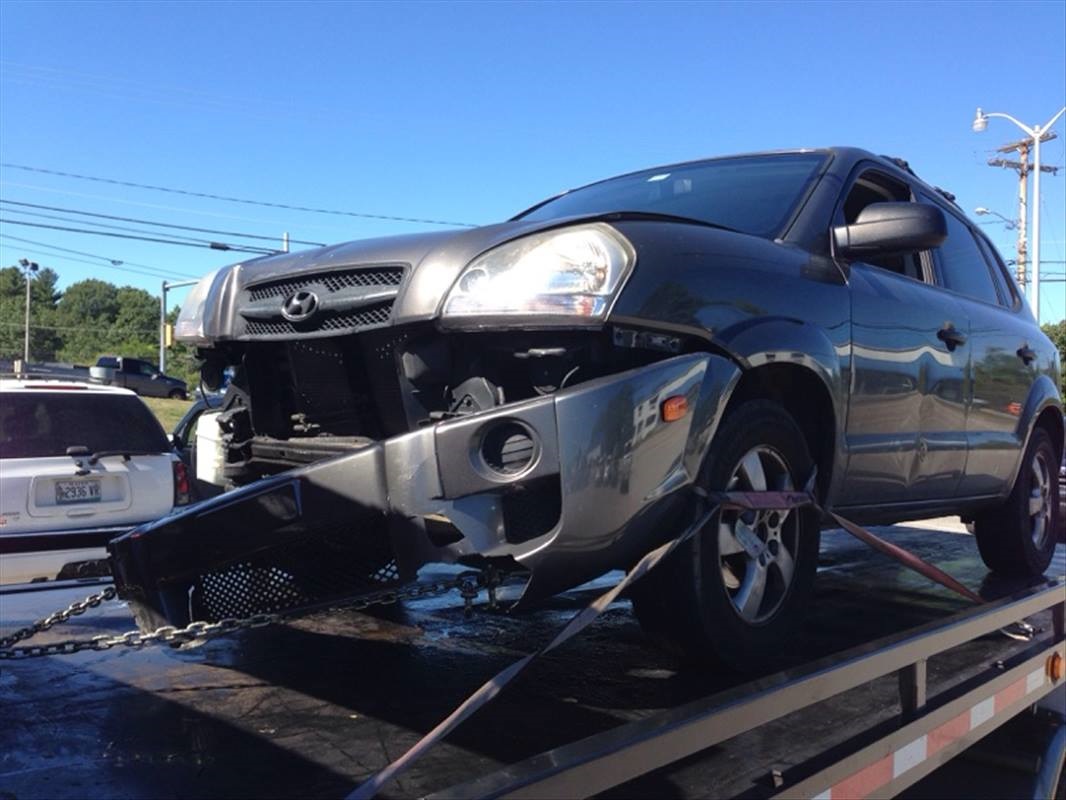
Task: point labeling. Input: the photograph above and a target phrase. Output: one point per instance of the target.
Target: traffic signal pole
(167, 286)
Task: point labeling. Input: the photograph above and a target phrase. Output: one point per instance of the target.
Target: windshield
(752, 194)
(44, 424)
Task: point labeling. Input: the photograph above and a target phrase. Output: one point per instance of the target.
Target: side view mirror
(891, 228)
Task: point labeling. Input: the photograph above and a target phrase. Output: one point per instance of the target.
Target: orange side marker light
(674, 408)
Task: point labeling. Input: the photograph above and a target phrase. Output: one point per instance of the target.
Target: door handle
(1026, 354)
(951, 337)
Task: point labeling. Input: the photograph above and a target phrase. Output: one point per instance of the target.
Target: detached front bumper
(565, 486)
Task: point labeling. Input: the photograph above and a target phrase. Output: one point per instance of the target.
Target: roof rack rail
(901, 163)
(946, 195)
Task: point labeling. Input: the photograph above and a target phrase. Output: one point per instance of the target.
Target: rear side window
(1007, 294)
(962, 265)
(41, 424)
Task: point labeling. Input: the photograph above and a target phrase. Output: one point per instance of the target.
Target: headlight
(190, 324)
(569, 272)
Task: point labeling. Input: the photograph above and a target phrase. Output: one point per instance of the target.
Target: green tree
(181, 357)
(135, 331)
(99, 318)
(45, 338)
(1056, 332)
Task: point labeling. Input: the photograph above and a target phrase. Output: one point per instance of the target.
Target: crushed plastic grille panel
(304, 571)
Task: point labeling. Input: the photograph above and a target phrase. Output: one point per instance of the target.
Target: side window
(962, 266)
(1008, 294)
(876, 187)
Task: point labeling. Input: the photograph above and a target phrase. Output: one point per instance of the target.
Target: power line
(95, 224)
(56, 78)
(211, 246)
(184, 209)
(109, 329)
(157, 224)
(229, 199)
(115, 262)
(45, 256)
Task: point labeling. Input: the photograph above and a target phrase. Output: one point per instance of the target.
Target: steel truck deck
(314, 707)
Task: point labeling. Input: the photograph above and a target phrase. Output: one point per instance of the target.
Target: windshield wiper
(656, 215)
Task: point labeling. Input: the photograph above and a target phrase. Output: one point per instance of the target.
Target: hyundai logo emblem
(300, 307)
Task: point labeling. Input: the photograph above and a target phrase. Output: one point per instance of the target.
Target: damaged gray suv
(542, 396)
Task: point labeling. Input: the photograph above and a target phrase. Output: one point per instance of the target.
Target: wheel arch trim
(1043, 402)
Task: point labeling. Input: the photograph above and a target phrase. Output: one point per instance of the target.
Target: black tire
(686, 602)
(1007, 536)
(176, 394)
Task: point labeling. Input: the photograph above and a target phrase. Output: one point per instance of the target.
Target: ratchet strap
(740, 501)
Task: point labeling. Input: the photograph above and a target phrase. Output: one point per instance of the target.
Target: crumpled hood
(436, 259)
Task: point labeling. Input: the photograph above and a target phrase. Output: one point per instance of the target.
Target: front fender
(767, 341)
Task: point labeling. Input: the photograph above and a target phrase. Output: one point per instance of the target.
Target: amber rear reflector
(1054, 667)
(674, 408)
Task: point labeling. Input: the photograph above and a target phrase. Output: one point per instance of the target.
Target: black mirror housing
(891, 229)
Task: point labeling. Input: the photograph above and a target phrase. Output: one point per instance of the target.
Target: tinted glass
(39, 425)
(1007, 295)
(963, 267)
(753, 194)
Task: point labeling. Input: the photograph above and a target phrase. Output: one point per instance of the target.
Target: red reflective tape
(943, 735)
(1007, 697)
(864, 782)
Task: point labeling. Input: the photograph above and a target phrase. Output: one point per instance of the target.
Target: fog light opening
(508, 449)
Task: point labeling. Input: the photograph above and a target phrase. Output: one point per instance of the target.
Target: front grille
(370, 317)
(331, 281)
(362, 299)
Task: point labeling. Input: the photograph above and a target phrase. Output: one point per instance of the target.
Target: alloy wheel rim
(757, 549)
(1039, 499)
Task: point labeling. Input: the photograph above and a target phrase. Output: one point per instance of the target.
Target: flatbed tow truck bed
(314, 707)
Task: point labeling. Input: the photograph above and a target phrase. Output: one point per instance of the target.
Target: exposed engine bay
(294, 402)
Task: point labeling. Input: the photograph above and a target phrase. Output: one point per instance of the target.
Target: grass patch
(168, 412)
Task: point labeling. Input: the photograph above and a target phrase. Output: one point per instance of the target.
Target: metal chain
(73, 610)
(201, 631)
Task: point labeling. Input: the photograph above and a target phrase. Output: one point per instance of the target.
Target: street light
(1036, 133)
(982, 211)
(28, 268)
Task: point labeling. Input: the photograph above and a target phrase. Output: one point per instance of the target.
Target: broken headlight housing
(565, 273)
(191, 325)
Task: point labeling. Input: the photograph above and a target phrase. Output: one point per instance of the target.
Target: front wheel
(176, 394)
(1018, 538)
(736, 592)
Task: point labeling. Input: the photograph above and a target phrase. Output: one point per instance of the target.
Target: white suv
(79, 464)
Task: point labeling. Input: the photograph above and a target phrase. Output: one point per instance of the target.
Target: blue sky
(473, 111)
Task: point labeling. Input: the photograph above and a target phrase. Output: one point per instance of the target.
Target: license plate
(77, 492)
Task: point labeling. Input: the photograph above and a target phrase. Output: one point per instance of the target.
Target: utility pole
(1036, 134)
(28, 268)
(285, 242)
(1023, 168)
